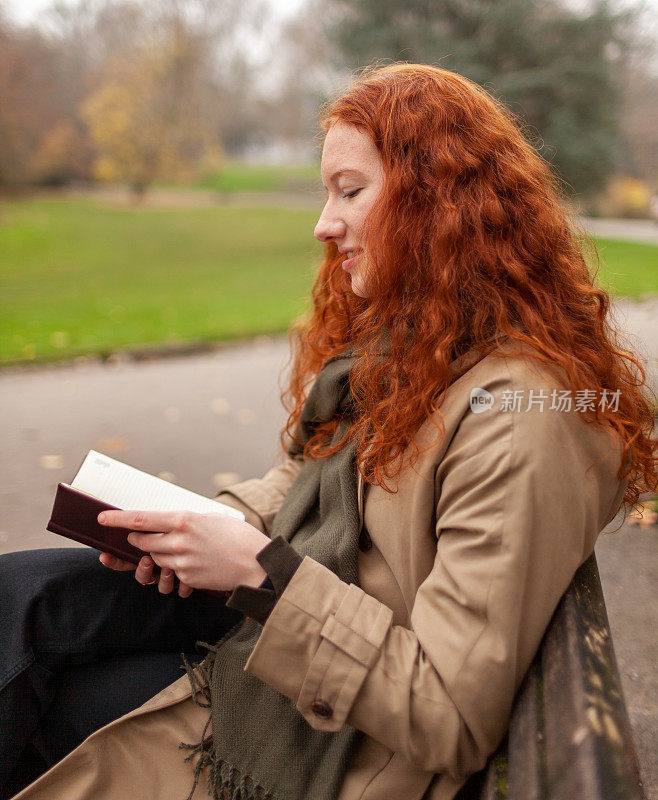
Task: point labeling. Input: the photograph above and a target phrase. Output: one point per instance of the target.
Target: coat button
(365, 542)
(321, 709)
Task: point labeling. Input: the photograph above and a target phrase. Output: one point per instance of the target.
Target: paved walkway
(639, 323)
(633, 230)
(207, 420)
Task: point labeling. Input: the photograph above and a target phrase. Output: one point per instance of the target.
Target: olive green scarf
(261, 748)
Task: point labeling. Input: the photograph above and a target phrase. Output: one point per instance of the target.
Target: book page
(133, 490)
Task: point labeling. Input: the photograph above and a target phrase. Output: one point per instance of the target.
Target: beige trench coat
(468, 562)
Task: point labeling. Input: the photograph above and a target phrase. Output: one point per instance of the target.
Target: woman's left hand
(206, 551)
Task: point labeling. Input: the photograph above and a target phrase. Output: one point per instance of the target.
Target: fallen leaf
(51, 462)
(118, 445)
(167, 476)
(245, 416)
(220, 405)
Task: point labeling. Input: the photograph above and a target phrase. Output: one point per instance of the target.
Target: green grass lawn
(77, 277)
(628, 268)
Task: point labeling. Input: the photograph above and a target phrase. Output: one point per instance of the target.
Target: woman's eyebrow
(336, 175)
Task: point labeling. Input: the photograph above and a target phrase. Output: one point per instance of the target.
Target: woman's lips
(349, 262)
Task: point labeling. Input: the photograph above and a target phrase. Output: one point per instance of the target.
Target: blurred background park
(159, 176)
(159, 185)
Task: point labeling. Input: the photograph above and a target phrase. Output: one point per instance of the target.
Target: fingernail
(101, 519)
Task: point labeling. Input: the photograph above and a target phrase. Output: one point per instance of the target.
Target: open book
(103, 483)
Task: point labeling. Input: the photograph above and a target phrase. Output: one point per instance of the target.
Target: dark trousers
(81, 645)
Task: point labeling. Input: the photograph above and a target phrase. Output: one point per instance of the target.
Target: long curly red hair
(469, 240)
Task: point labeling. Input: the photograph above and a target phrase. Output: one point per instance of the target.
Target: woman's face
(353, 175)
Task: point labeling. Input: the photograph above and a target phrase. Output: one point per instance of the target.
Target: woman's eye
(352, 194)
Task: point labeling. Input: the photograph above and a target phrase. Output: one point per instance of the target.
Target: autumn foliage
(148, 118)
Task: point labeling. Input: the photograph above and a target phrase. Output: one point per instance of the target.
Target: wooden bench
(569, 736)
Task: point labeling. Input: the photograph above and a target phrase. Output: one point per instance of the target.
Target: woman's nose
(329, 226)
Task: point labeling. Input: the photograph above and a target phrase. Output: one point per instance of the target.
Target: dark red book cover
(74, 515)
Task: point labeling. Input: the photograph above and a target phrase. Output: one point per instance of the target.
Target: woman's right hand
(144, 573)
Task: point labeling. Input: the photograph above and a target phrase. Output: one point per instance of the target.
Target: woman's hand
(205, 551)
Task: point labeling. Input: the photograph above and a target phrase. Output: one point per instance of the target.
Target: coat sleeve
(512, 527)
(260, 498)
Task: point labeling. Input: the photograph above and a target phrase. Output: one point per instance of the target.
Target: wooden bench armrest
(569, 736)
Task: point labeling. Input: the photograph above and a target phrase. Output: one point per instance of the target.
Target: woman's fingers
(144, 571)
(184, 590)
(166, 583)
(161, 521)
(108, 560)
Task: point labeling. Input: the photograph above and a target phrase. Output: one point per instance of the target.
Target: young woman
(463, 424)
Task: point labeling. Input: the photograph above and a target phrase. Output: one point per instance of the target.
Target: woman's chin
(359, 286)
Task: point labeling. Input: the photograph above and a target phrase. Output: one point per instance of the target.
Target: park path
(210, 419)
(633, 230)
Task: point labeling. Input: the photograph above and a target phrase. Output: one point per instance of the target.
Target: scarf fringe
(225, 782)
(202, 686)
(228, 783)
(204, 750)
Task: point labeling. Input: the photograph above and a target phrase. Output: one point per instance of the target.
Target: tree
(639, 103)
(152, 116)
(158, 81)
(64, 155)
(551, 65)
(28, 100)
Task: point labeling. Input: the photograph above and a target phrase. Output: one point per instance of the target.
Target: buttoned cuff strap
(350, 644)
(330, 635)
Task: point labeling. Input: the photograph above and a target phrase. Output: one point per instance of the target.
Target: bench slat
(589, 751)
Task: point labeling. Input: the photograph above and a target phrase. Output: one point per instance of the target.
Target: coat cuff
(280, 560)
(329, 634)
